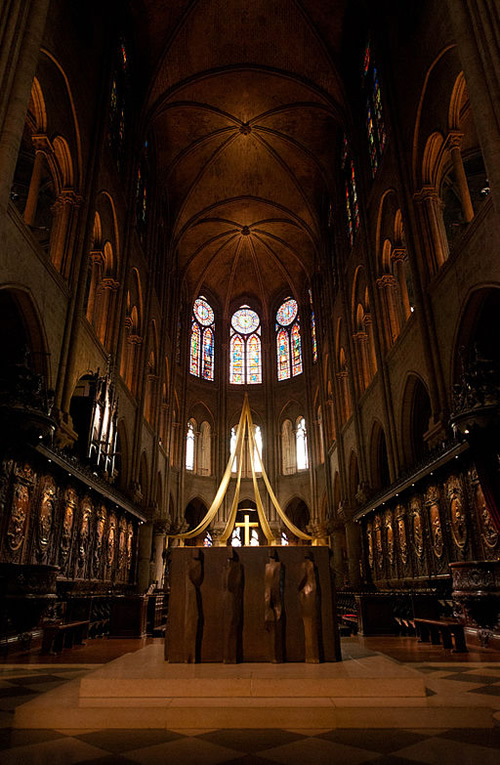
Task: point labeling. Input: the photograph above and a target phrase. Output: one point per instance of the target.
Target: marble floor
(471, 681)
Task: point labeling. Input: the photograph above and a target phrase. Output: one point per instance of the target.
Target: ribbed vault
(243, 106)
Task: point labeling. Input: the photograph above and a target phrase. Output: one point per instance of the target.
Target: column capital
(387, 281)
(109, 284)
(454, 140)
(426, 194)
(41, 143)
(67, 198)
(399, 254)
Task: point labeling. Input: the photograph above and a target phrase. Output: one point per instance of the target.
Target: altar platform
(140, 690)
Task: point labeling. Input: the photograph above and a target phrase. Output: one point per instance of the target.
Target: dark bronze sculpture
(233, 608)
(193, 615)
(274, 606)
(309, 608)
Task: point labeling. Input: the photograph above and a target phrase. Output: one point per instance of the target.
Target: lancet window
(351, 194)
(375, 127)
(141, 193)
(190, 445)
(118, 106)
(301, 444)
(288, 340)
(245, 347)
(314, 341)
(201, 356)
(246, 469)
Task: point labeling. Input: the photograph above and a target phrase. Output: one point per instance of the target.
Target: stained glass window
(208, 354)
(301, 444)
(296, 350)
(201, 362)
(190, 442)
(117, 106)
(283, 355)
(245, 349)
(288, 340)
(237, 351)
(313, 330)
(375, 126)
(351, 193)
(254, 373)
(194, 366)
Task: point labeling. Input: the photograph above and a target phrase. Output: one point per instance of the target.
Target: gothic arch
(122, 459)
(379, 463)
(416, 415)
(195, 511)
(478, 328)
(22, 325)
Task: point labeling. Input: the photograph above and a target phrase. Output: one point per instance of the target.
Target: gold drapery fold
(245, 425)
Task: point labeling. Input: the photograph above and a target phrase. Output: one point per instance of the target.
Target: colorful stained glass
(372, 144)
(194, 362)
(345, 151)
(349, 214)
(379, 116)
(114, 98)
(313, 330)
(354, 197)
(254, 368)
(202, 340)
(208, 355)
(374, 112)
(245, 320)
(296, 350)
(203, 312)
(366, 61)
(236, 352)
(287, 312)
(283, 352)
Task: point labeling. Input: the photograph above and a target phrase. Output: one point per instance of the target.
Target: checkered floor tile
(244, 747)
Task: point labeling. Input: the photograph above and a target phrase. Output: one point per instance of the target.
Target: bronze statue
(233, 608)
(273, 604)
(309, 608)
(193, 615)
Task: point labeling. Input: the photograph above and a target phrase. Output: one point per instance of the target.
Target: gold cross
(247, 525)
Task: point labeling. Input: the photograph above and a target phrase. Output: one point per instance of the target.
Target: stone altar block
(251, 604)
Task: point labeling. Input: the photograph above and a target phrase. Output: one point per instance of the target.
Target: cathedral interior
(292, 203)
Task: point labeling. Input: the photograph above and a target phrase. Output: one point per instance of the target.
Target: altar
(251, 604)
(239, 602)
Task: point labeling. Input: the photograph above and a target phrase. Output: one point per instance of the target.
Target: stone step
(239, 713)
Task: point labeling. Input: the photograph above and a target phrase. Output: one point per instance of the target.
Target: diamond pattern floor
(480, 682)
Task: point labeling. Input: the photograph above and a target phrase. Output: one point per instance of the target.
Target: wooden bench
(446, 629)
(64, 635)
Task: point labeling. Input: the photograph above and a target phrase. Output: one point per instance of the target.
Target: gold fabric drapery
(245, 426)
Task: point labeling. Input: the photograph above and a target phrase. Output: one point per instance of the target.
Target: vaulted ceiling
(243, 103)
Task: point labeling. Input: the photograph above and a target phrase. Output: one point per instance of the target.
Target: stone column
(387, 284)
(453, 143)
(144, 557)
(431, 207)
(42, 147)
(353, 540)
(367, 321)
(107, 289)
(344, 395)
(61, 241)
(21, 30)
(398, 258)
(159, 545)
(339, 545)
(476, 24)
(96, 258)
(361, 343)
